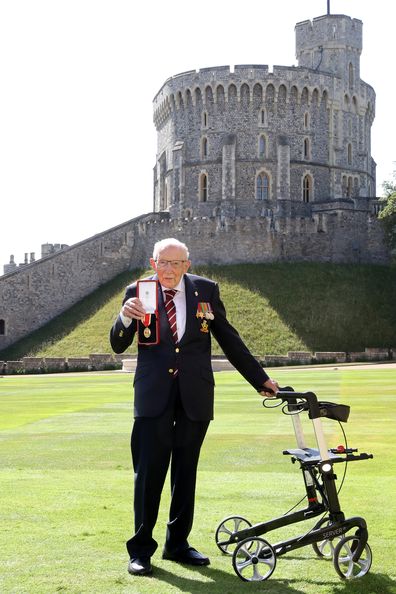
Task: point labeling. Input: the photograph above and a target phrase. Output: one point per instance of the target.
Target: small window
(306, 148)
(262, 187)
(203, 187)
(350, 187)
(306, 120)
(204, 148)
(349, 154)
(307, 188)
(2, 327)
(205, 119)
(262, 146)
(351, 76)
(263, 117)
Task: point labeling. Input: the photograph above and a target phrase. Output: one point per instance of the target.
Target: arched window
(306, 148)
(262, 187)
(2, 327)
(349, 154)
(203, 187)
(307, 188)
(204, 147)
(262, 148)
(306, 120)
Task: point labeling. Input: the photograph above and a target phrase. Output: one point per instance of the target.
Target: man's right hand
(133, 309)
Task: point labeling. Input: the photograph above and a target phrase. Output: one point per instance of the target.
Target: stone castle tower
(252, 166)
(250, 142)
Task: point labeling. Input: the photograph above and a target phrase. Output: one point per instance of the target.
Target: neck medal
(146, 323)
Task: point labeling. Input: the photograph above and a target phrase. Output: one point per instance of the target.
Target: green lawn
(66, 484)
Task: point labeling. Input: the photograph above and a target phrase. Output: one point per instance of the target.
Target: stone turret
(11, 266)
(331, 43)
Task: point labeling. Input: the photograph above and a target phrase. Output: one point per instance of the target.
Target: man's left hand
(272, 388)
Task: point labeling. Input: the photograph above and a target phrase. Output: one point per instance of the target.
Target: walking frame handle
(297, 402)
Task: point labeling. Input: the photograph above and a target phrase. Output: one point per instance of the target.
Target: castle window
(166, 195)
(204, 147)
(350, 187)
(262, 148)
(205, 119)
(2, 327)
(306, 148)
(351, 76)
(262, 187)
(263, 117)
(307, 188)
(306, 120)
(203, 188)
(349, 154)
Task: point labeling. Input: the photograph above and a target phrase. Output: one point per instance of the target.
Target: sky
(77, 139)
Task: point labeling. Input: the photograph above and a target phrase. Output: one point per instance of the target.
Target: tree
(388, 213)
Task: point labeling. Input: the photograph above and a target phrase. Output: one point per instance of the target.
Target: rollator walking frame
(253, 558)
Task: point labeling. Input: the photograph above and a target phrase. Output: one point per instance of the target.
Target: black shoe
(140, 566)
(188, 556)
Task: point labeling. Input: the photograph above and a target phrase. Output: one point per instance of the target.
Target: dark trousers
(156, 442)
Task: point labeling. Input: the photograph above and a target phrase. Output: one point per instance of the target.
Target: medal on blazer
(204, 310)
(204, 326)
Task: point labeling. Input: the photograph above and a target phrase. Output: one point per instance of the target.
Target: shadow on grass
(325, 305)
(224, 582)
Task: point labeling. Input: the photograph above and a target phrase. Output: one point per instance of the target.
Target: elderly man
(174, 389)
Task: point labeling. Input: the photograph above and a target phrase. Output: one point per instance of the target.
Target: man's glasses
(172, 263)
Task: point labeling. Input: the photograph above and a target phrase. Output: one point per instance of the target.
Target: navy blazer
(191, 356)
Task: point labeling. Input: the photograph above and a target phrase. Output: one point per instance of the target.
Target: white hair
(169, 242)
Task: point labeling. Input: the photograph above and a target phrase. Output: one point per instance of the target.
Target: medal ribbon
(146, 320)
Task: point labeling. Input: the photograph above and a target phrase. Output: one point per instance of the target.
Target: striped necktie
(171, 311)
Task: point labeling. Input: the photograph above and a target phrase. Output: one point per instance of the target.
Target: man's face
(170, 266)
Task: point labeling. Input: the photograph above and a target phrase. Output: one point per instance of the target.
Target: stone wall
(32, 296)
(127, 362)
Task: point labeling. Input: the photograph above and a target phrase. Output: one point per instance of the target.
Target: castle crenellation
(253, 165)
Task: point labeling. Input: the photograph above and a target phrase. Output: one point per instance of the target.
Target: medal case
(148, 329)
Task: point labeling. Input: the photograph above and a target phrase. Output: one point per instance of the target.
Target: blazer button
(170, 370)
(177, 350)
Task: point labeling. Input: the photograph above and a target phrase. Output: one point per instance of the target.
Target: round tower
(260, 143)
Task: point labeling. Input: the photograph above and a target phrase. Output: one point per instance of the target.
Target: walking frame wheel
(254, 560)
(325, 548)
(227, 528)
(343, 561)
